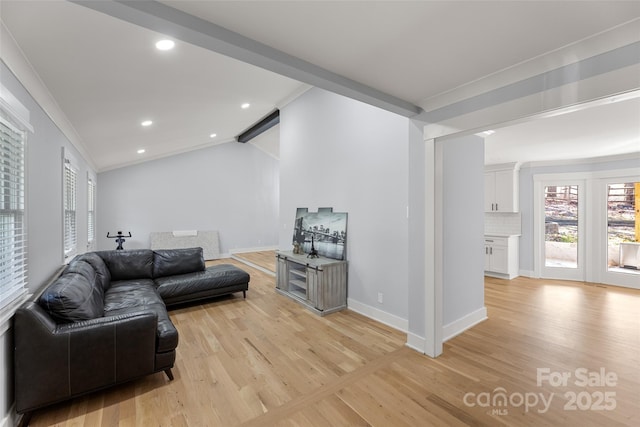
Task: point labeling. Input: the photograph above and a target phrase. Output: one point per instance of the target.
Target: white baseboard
(256, 249)
(256, 266)
(459, 326)
(500, 275)
(378, 315)
(416, 342)
(527, 273)
(246, 250)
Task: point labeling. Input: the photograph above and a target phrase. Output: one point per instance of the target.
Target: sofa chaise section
(217, 280)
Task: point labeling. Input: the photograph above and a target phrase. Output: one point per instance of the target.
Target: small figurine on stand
(119, 239)
(313, 253)
(296, 248)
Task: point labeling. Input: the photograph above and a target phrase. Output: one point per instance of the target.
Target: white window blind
(91, 211)
(70, 199)
(13, 232)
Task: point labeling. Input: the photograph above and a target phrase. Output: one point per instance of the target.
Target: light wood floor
(266, 361)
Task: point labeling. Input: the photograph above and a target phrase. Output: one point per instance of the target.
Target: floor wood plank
(267, 361)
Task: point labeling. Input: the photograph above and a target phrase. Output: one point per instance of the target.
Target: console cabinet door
(313, 286)
(281, 274)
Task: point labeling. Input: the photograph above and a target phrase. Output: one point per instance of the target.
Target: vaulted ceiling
(107, 77)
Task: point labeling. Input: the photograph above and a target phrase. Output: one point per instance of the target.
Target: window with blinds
(91, 211)
(70, 198)
(13, 232)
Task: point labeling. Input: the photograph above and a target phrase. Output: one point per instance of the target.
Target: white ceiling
(107, 77)
(599, 131)
(414, 49)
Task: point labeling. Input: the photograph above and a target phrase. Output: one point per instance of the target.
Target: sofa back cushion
(83, 268)
(170, 262)
(102, 272)
(128, 264)
(73, 297)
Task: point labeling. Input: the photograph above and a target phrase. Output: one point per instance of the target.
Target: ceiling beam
(260, 127)
(191, 29)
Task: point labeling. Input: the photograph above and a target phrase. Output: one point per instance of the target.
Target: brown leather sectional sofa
(104, 321)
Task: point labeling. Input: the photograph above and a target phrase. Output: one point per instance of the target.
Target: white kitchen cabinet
(501, 256)
(501, 188)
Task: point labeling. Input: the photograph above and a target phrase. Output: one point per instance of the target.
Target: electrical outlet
(379, 297)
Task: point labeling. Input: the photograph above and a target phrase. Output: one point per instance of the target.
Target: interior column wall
(340, 153)
(460, 224)
(425, 319)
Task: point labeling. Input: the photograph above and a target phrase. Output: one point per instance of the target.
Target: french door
(587, 228)
(620, 230)
(559, 226)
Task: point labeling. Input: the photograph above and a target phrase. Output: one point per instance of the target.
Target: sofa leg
(25, 419)
(244, 294)
(169, 374)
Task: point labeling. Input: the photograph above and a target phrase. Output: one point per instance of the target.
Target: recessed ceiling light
(213, 135)
(165, 44)
(489, 132)
(245, 106)
(142, 150)
(146, 123)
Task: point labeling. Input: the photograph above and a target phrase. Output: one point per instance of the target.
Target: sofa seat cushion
(171, 262)
(72, 297)
(130, 296)
(217, 277)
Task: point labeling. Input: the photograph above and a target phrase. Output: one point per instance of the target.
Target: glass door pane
(561, 226)
(623, 227)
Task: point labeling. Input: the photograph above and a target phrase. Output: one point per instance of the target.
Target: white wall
(44, 188)
(232, 188)
(44, 214)
(340, 153)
